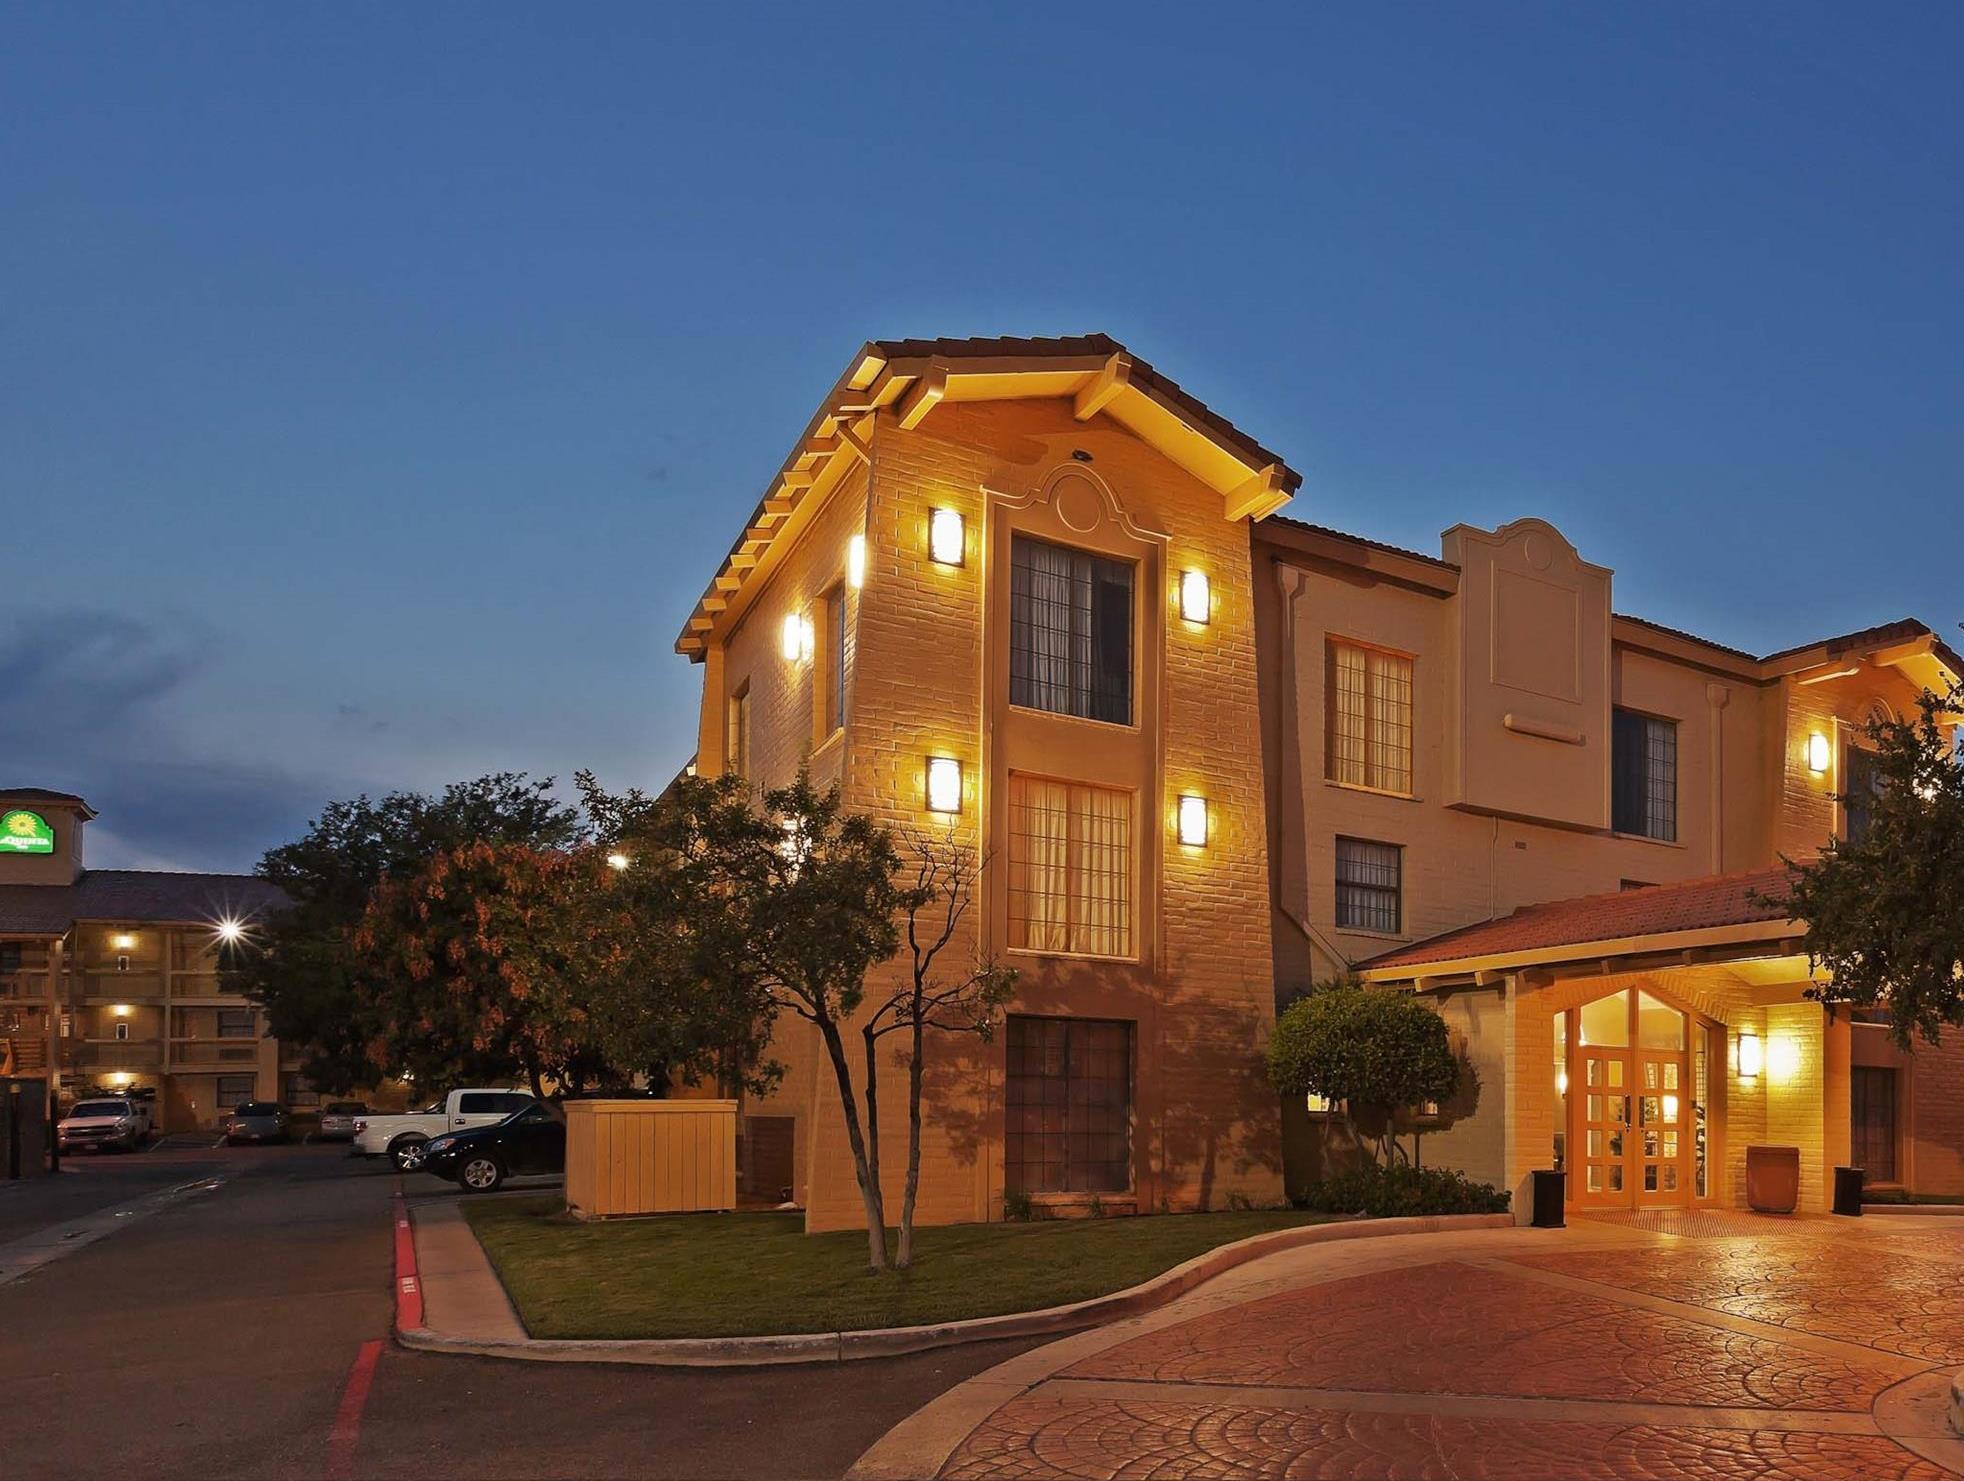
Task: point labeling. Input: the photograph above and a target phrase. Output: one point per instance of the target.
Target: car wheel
(408, 1154)
(480, 1174)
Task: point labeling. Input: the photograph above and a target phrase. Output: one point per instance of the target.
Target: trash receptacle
(1848, 1191)
(1772, 1179)
(1549, 1191)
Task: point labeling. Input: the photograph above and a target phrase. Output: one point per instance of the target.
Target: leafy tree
(964, 999)
(1885, 911)
(825, 900)
(463, 971)
(300, 967)
(1377, 1050)
(659, 933)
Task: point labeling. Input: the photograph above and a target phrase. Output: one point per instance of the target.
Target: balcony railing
(115, 1054)
(191, 1053)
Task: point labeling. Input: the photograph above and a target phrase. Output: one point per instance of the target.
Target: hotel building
(1035, 592)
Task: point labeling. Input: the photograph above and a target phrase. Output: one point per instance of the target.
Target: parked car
(104, 1121)
(339, 1118)
(402, 1139)
(530, 1143)
(255, 1121)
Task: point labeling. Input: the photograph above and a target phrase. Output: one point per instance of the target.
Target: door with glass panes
(1633, 1110)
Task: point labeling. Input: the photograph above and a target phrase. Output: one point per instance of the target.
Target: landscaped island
(752, 1274)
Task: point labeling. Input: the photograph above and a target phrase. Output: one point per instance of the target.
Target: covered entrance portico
(1638, 1042)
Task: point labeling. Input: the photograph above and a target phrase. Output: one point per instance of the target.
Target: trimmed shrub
(1389, 1192)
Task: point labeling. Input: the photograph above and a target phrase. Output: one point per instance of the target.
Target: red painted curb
(341, 1440)
(409, 1287)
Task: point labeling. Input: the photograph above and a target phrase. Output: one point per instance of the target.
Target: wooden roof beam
(925, 395)
(1103, 388)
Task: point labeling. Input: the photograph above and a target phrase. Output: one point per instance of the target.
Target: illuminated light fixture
(1783, 1059)
(231, 932)
(1193, 820)
(1819, 753)
(856, 562)
(1194, 605)
(944, 784)
(944, 537)
(123, 941)
(1752, 1057)
(1561, 1082)
(121, 1077)
(122, 1010)
(617, 861)
(797, 642)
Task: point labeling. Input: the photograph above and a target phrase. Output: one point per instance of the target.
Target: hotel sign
(24, 832)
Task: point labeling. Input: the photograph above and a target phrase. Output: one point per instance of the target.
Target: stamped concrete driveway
(1661, 1346)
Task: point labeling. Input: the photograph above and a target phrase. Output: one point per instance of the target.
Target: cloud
(81, 675)
(81, 695)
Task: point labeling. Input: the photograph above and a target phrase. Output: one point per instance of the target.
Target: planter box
(649, 1157)
(1772, 1179)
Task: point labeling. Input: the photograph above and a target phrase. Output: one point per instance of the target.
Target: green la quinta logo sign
(23, 832)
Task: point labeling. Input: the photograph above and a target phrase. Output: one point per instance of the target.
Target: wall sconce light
(123, 941)
(1561, 1082)
(121, 1077)
(1194, 605)
(944, 784)
(122, 1010)
(230, 932)
(1783, 1059)
(798, 640)
(1820, 755)
(1752, 1056)
(618, 862)
(856, 562)
(1193, 820)
(944, 537)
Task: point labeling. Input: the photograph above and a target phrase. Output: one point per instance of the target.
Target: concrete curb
(880, 1342)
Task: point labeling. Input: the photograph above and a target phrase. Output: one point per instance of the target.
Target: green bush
(1388, 1192)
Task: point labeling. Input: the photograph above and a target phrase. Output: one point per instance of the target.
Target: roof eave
(1643, 944)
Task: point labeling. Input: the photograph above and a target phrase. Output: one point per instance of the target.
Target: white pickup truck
(105, 1121)
(402, 1138)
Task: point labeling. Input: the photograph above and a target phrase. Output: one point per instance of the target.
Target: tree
(825, 901)
(965, 1000)
(1377, 1050)
(300, 967)
(1884, 911)
(462, 968)
(660, 930)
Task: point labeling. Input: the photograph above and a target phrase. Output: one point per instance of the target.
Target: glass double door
(1630, 1127)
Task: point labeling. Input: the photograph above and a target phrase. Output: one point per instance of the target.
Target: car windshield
(533, 1112)
(101, 1108)
(255, 1108)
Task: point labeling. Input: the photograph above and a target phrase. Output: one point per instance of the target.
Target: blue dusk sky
(380, 384)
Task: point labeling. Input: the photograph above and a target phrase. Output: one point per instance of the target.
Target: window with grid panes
(1370, 718)
(835, 659)
(1070, 631)
(1068, 1104)
(234, 1090)
(1369, 885)
(235, 1023)
(1644, 776)
(1070, 867)
(736, 754)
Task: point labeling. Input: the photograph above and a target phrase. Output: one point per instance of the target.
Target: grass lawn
(730, 1275)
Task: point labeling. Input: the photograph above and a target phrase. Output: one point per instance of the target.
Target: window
(1068, 1099)
(122, 1030)
(1863, 784)
(736, 741)
(1370, 718)
(9, 956)
(835, 660)
(492, 1102)
(1070, 632)
(235, 1023)
(1369, 884)
(1070, 867)
(1644, 770)
(234, 1090)
(300, 1091)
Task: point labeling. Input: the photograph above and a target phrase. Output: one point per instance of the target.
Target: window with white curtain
(1070, 867)
(1370, 718)
(1070, 631)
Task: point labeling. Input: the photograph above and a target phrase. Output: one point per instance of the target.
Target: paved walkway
(1684, 1347)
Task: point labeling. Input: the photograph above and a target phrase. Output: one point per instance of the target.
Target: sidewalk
(462, 1296)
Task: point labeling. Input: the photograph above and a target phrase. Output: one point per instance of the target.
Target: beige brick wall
(1202, 1002)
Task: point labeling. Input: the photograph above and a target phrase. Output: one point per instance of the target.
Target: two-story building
(110, 978)
(1032, 590)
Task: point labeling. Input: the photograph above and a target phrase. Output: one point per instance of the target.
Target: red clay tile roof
(1691, 905)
